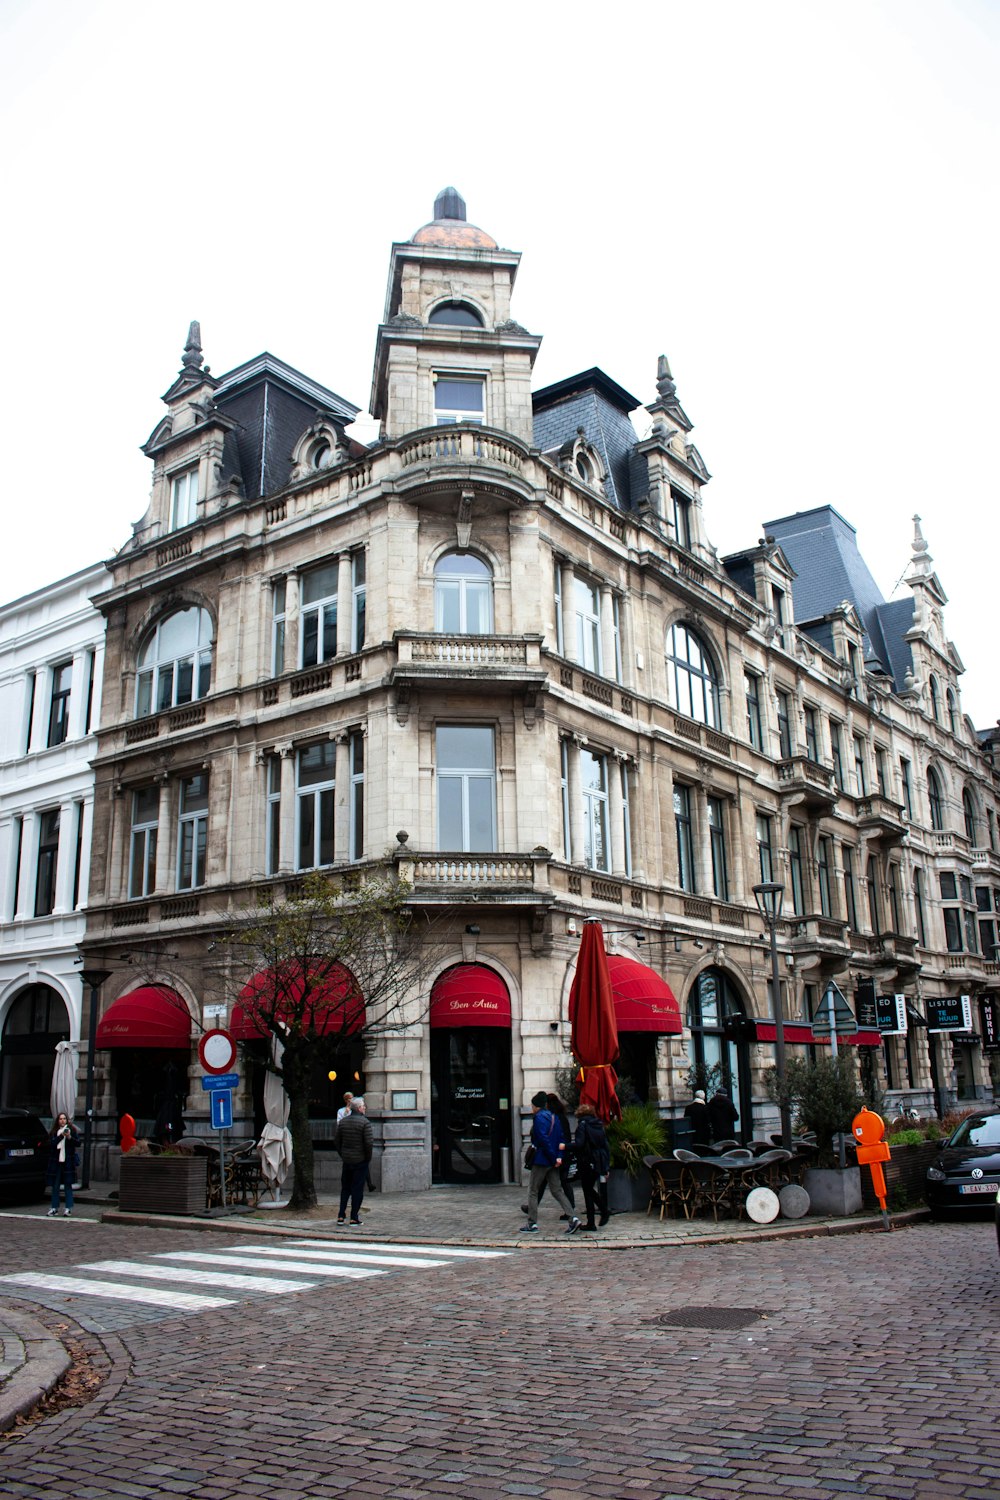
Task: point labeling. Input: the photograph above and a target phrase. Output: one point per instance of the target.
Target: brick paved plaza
(537, 1374)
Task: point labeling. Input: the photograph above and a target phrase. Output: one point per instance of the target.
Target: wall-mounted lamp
(470, 938)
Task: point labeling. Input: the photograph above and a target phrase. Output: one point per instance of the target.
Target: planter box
(629, 1195)
(832, 1191)
(163, 1184)
(905, 1175)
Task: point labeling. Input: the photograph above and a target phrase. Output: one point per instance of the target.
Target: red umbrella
(594, 1037)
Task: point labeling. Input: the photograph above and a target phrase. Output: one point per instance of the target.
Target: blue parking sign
(222, 1109)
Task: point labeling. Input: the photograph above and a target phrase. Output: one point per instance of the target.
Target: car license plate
(980, 1187)
(20, 1151)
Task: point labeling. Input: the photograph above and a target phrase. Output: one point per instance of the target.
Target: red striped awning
(333, 1003)
(153, 1016)
(643, 1001)
(470, 995)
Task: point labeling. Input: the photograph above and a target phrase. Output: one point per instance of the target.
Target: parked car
(24, 1152)
(966, 1175)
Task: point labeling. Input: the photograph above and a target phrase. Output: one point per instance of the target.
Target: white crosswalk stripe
(199, 1279)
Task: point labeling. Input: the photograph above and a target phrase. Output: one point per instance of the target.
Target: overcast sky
(796, 202)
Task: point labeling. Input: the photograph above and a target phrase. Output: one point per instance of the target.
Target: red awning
(470, 995)
(334, 1003)
(767, 1032)
(643, 1001)
(153, 1016)
(856, 1039)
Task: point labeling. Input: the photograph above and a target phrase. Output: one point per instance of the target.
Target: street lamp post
(91, 979)
(769, 896)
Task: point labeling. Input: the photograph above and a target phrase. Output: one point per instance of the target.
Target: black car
(966, 1175)
(24, 1152)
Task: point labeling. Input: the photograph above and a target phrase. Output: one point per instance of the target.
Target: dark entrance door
(470, 1102)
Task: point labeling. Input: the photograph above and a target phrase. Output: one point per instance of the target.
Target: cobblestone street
(864, 1365)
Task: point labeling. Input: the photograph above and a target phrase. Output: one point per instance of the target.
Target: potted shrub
(162, 1182)
(824, 1097)
(640, 1132)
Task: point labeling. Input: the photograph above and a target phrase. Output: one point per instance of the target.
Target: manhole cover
(711, 1317)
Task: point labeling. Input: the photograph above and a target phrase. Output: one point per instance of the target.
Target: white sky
(796, 202)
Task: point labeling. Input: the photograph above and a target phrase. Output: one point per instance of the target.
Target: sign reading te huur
(891, 1013)
(951, 1013)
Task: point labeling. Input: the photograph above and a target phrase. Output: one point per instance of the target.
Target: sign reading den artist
(950, 1013)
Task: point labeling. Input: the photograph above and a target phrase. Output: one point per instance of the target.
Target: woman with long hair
(64, 1138)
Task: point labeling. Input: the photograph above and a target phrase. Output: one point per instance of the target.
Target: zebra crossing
(192, 1281)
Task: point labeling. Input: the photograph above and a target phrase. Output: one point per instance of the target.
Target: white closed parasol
(275, 1144)
(62, 1095)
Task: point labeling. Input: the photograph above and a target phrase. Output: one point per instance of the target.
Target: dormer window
(184, 499)
(321, 455)
(456, 315)
(459, 399)
(584, 468)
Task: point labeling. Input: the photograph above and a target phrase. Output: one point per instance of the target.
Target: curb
(45, 1363)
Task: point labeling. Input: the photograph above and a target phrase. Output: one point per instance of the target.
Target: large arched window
(971, 821)
(175, 664)
(456, 315)
(935, 800)
(463, 595)
(692, 682)
(717, 1043)
(935, 700)
(36, 1021)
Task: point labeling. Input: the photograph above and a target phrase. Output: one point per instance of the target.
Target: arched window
(463, 595)
(952, 711)
(934, 798)
(717, 1042)
(935, 700)
(175, 664)
(971, 821)
(36, 1021)
(456, 315)
(692, 682)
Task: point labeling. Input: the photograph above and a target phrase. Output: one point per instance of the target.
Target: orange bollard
(868, 1128)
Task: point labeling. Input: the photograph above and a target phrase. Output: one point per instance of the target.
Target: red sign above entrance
(470, 995)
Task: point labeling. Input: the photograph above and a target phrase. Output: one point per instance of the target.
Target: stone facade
(300, 617)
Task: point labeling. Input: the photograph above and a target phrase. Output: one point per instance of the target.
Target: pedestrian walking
(549, 1147)
(354, 1141)
(64, 1138)
(593, 1156)
(697, 1114)
(722, 1115)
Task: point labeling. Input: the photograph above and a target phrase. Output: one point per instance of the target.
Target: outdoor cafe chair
(769, 1169)
(722, 1146)
(708, 1182)
(671, 1188)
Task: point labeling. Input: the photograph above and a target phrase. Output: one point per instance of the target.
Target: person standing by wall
(354, 1141)
(64, 1139)
(593, 1157)
(697, 1114)
(549, 1149)
(722, 1115)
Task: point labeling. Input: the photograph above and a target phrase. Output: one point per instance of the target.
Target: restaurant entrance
(718, 1050)
(470, 1103)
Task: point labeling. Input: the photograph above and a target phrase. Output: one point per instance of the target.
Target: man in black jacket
(354, 1141)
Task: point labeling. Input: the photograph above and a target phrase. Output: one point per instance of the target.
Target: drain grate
(712, 1317)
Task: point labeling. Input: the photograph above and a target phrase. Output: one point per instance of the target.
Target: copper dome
(449, 227)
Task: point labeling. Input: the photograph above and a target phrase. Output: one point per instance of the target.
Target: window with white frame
(824, 861)
(811, 725)
(717, 841)
(318, 615)
(315, 778)
(272, 835)
(594, 787)
(466, 788)
(860, 767)
(192, 831)
(459, 398)
(754, 729)
(765, 848)
(783, 709)
(47, 862)
(279, 597)
(356, 767)
(175, 663)
(142, 850)
(560, 643)
(679, 517)
(587, 611)
(59, 703)
(795, 870)
(359, 594)
(935, 800)
(969, 815)
(626, 816)
(463, 595)
(183, 499)
(692, 683)
(684, 833)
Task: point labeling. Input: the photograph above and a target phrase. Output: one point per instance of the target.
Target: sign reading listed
(950, 1013)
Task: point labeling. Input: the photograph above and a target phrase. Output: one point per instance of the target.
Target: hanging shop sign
(989, 1023)
(890, 1011)
(864, 1004)
(951, 1013)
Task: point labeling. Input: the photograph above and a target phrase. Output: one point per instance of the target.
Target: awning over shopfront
(153, 1016)
(470, 995)
(643, 1001)
(798, 1032)
(330, 1004)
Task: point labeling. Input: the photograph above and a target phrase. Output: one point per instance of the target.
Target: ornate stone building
(496, 652)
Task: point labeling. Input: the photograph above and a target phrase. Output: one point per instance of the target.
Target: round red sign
(217, 1051)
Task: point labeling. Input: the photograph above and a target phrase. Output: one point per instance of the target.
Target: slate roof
(823, 549)
(595, 402)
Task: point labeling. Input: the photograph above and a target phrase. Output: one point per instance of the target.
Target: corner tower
(448, 350)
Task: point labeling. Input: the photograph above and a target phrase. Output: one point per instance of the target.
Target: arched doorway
(35, 1022)
(718, 1045)
(470, 1074)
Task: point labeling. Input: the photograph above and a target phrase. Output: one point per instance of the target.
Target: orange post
(126, 1126)
(868, 1128)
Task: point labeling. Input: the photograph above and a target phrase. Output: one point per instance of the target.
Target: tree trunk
(296, 1064)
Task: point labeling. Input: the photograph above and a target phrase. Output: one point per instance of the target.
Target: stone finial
(449, 204)
(192, 358)
(665, 386)
(920, 548)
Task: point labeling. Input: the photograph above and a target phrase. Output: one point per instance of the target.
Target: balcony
(815, 938)
(986, 862)
(805, 783)
(901, 952)
(469, 661)
(881, 820)
(461, 453)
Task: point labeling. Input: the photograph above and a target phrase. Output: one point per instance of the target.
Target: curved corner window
(934, 798)
(692, 681)
(456, 315)
(175, 664)
(463, 595)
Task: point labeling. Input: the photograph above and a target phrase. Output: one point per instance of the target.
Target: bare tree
(320, 969)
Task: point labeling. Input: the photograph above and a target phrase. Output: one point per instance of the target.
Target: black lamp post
(91, 979)
(769, 896)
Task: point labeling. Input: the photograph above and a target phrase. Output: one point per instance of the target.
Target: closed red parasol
(594, 1035)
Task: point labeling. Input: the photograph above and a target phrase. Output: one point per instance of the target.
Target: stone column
(342, 796)
(576, 819)
(292, 622)
(616, 811)
(608, 634)
(735, 850)
(164, 830)
(345, 629)
(17, 862)
(568, 586)
(66, 859)
(286, 840)
(700, 839)
(78, 696)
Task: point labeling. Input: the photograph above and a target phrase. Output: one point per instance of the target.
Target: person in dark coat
(722, 1116)
(593, 1157)
(64, 1139)
(697, 1114)
(354, 1140)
